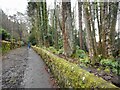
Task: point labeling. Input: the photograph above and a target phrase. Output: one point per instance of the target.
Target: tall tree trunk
(55, 26)
(69, 27)
(45, 23)
(107, 28)
(92, 20)
(88, 31)
(38, 22)
(66, 43)
(80, 23)
(99, 27)
(113, 24)
(103, 29)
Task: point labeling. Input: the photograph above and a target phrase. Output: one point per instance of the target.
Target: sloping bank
(70, 75)
(6, 46)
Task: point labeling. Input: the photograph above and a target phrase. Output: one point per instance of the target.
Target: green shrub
(111, 64)
(53, 50)
(98, 69)
(107, 70)
(114, 64)
(7, 46)
(114, 70)
(99, 57)
(85, 61)
(5, 35)
(106, 62)
(61, 51)
(69, 74)
(80, 54)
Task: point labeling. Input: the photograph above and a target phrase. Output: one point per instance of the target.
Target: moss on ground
(69, 74)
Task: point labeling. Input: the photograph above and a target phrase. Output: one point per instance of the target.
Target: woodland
(94, 46)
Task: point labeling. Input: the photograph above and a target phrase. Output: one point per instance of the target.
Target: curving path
(23, 68)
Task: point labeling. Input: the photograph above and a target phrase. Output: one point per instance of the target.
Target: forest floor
(110, 77)
(23, 68)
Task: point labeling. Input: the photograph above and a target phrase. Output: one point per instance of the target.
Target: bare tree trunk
(113, 25)
(107, 28)
(45, 23)
(66, 43)
(88, 31)
(92, 20)
(69, 27)
(99, 28)
(38, 22)
(80, 24)
(56, 23)
(103, 29)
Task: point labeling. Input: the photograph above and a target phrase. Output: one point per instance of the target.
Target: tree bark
(88, 31)
(80, 23)
(66, 43)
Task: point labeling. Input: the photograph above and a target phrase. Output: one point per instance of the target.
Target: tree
(80, 23)
(67, 28)
(88, 30)
(11, 25)
(98, 36)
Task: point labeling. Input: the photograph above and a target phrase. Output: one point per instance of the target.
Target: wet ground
(23, 68)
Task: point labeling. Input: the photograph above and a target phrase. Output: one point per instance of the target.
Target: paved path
(23, 68)
(36, 75)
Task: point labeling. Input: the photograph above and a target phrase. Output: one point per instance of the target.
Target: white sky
(12, 6)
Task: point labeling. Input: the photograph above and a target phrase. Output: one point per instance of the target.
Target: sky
(10, 7)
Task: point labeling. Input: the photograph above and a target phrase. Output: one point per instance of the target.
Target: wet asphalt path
(23, 68)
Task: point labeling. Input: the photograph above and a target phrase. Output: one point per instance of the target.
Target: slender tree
(80, 23)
